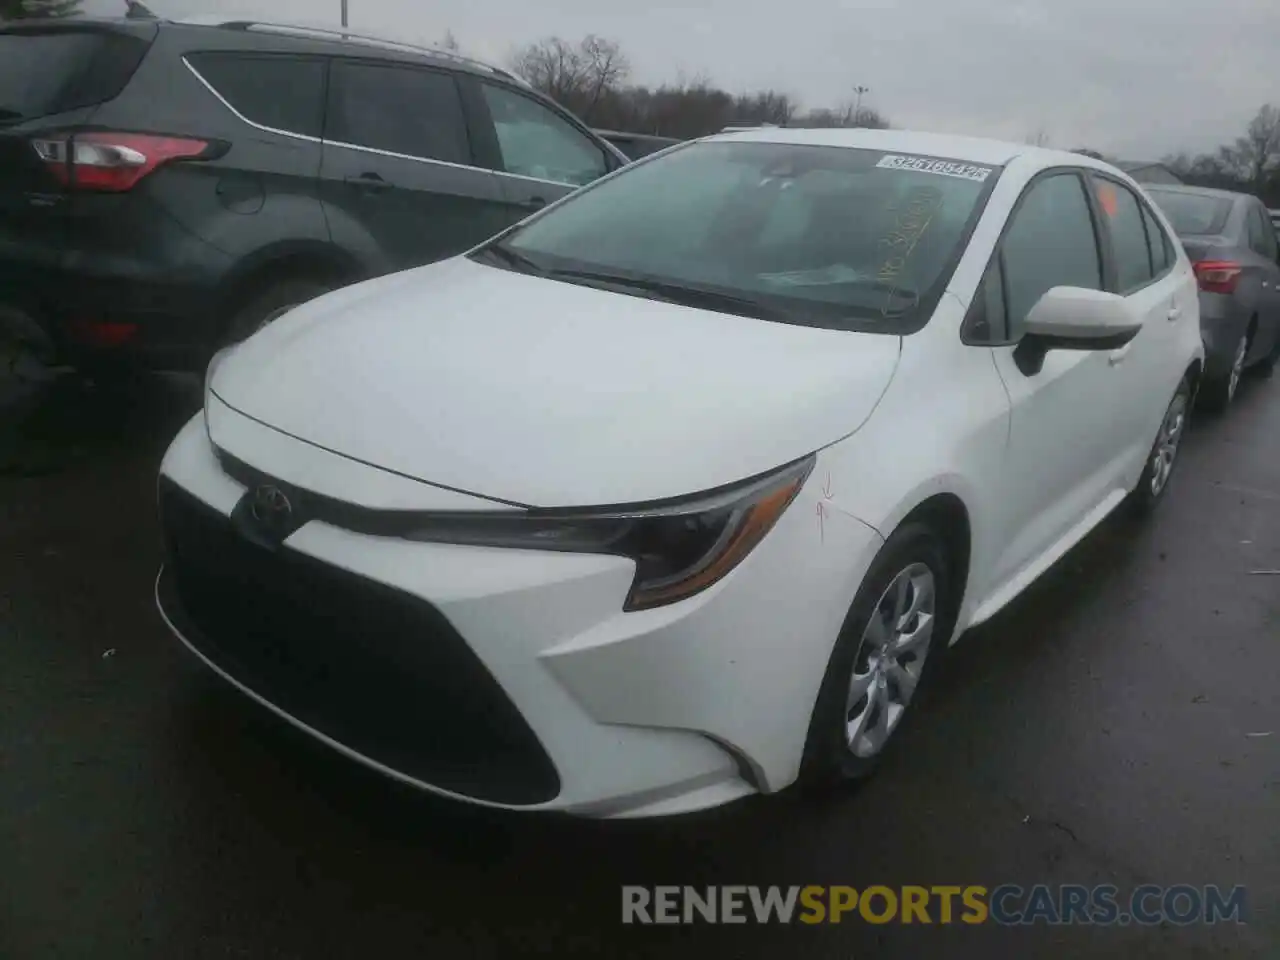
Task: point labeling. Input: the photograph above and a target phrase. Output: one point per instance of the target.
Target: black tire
(270, 303)
(828, 758)
(1217, 392)
(1147, 495)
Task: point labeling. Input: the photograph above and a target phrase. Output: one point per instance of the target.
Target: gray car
(1232, 244)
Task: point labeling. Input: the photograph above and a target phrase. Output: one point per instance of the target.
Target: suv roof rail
(324, 32)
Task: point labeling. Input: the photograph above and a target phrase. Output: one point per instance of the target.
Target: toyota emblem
(271, 507)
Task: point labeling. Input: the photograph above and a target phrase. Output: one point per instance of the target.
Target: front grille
(373, 668)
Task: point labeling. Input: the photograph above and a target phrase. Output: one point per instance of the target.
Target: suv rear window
(42, 73)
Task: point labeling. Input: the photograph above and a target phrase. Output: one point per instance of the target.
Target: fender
(357, 240)
(298, 256)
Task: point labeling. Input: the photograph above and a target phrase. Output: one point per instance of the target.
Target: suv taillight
(1217, 276)
(112, 162)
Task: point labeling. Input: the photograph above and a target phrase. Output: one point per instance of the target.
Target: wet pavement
(1096, 732)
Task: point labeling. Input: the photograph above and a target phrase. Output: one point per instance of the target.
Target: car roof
(968, 149)
(348, 41)
(1198, 191)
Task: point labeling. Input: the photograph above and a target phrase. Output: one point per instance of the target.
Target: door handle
(1117, 357)
(534, 203)
(1174, 313)
(368, 182)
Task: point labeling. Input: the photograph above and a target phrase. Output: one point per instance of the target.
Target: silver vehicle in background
(1231, 239)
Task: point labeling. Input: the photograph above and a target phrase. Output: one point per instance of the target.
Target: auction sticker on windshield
(943, 168)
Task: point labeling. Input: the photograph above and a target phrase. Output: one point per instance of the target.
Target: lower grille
(377, 670)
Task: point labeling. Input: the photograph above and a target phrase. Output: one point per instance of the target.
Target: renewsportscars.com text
(1006, 904)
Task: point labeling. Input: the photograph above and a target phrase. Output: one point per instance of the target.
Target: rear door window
(1158, 242)
(402, 110)
(279, 92)
(43, 73)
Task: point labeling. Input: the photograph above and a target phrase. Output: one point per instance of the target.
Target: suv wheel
(272, 303)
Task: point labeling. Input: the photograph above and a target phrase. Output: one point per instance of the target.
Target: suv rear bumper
(119, 279)
(129, 312)
(136, 321)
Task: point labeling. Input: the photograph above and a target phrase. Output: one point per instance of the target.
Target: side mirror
(1073, 318)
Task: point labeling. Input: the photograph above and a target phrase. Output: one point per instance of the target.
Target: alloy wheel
(890, 658)
(1166, 448)
(1237, 368)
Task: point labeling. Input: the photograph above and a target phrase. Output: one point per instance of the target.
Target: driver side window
(1051, 242)
(534, 142)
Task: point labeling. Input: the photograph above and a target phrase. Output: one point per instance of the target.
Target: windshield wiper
(512, 258)
(10, 116)
(671, 292)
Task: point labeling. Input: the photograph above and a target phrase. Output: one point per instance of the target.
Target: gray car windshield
(817, 235)
(1193, 214)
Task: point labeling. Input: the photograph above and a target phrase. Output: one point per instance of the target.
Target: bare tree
(576, 76)
(450, 42)
(1039, 138)
(604, 66)
(551, 66)
(590, 78)
(846, 116)
(766, 106)
(1255, 154)
(37, 9)
(870, 119)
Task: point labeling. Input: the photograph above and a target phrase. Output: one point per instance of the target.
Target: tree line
(1250, 164)
(591, 78)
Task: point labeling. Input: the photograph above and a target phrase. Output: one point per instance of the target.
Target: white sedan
(674, 492)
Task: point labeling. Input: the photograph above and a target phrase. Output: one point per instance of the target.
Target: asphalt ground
(1108, 728)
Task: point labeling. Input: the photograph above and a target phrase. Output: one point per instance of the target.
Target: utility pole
(344, 13)
(857, 110)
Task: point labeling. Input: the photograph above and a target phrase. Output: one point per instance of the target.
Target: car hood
(544, 393)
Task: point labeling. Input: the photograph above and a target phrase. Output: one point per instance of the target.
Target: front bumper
(568, 703)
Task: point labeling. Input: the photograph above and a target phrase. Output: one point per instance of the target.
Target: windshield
(1193, 214)
(823, 236)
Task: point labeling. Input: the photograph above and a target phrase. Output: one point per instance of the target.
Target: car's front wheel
(891, 637)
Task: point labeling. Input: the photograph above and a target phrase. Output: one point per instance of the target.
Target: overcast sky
(1133, 78)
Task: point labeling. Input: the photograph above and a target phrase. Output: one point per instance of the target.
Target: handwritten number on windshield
(900, 241)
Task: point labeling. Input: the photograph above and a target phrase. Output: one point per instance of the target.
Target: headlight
(214, 363)
(679, 547)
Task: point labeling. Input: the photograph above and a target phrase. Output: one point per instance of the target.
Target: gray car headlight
(679, 547)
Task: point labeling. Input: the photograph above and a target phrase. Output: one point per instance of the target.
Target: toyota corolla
(676, 491)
